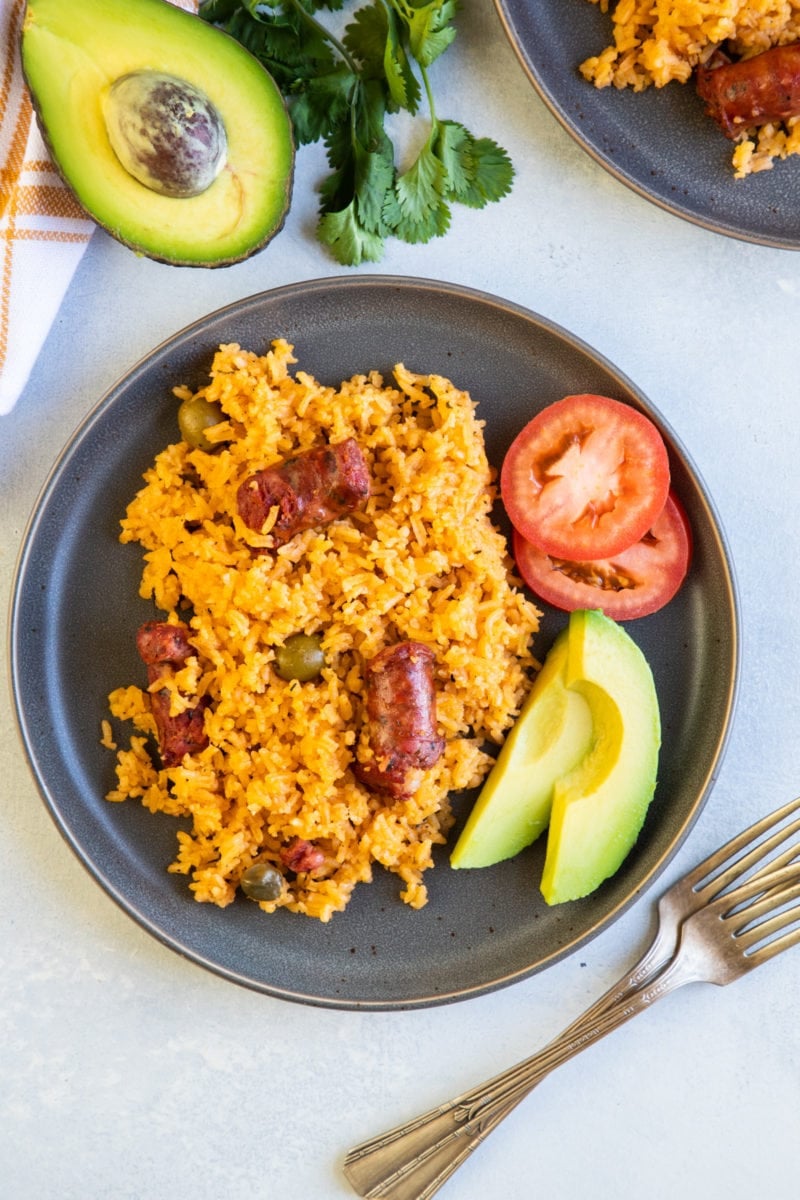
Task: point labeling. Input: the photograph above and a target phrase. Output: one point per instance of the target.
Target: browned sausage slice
(163, 647)
(309, 490)
(162, 642)
(753, 91)
(401, 719)
(301, 855)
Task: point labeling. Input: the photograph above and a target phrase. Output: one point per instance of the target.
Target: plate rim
(25, 552)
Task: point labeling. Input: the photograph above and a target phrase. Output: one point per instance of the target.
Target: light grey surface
(130, 1074)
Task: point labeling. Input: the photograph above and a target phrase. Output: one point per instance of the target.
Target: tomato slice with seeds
(632, 584)
(586, 478)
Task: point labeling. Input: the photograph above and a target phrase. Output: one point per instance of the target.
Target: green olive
(195, 416)
(262, 882)
(300, 657)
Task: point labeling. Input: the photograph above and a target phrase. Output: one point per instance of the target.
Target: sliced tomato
(586, 478)
(632, 584)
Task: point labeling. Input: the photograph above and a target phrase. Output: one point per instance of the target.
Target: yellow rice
(658, 41)
(423, 562)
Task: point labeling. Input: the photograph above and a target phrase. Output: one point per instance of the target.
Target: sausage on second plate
(753, 91)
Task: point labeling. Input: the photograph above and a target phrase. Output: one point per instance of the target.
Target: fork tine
(764, 953)
(771, 907)
(713, 876)
(756, 895)
(761, 896)
(703, 885)
(780, 920)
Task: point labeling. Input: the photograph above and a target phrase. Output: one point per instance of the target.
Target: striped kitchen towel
(43, 231)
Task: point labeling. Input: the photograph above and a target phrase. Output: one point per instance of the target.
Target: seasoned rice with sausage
(657, 43)
(421, 562)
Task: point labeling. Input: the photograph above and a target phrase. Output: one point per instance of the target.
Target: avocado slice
(217, 184)
(552, 733)
(599, 807)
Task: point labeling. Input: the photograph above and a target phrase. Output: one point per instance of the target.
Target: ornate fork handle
(412, 1161)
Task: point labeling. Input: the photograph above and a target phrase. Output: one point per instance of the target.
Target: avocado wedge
(552, 734)
(171, 135)
(581, 762)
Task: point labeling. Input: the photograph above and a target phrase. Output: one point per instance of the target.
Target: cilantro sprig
(340, 90)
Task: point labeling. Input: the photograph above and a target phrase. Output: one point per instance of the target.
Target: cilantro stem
(326, 34)
(429, 93)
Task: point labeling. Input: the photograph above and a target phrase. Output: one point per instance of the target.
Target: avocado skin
(242, 210)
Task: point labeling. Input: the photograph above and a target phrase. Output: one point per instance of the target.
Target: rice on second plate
(656, 43)
(422, 561)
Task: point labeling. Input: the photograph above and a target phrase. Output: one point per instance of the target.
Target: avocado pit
(165, 132)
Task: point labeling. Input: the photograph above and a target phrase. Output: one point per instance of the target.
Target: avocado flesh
(600, 806)
(552, 733)
(74, 50)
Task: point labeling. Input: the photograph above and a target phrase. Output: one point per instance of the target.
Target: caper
(262, 882)
(195, 416)
(300, 657)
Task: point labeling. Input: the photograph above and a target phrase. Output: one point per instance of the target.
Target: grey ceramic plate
(75, 610)
(659, 142)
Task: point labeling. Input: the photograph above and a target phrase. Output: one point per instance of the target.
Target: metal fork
(412, 1161)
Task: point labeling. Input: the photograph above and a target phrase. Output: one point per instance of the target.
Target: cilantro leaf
(373, 37)
(217, 11)
(420, 210)
(477, 170)
(404, 89)
(323, 102)
(493, 173)
(311, 5)
(348, 240)
(429, 29)
(338, 189)
(374, 177)
(365, 36)
(369, 114)
(276, 37)
(362, 162)
(452, 144)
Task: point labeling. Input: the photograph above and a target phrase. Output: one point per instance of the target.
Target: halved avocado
(75, 51)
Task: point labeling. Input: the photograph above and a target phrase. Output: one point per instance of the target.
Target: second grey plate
(659, 142)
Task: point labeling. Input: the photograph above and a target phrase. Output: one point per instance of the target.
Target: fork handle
(413, 1160)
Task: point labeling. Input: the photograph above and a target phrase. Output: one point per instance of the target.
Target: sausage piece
(164, 648)
(161, 642)
(401, 719)
(739, 95)
(301, 855)
(311, 489)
